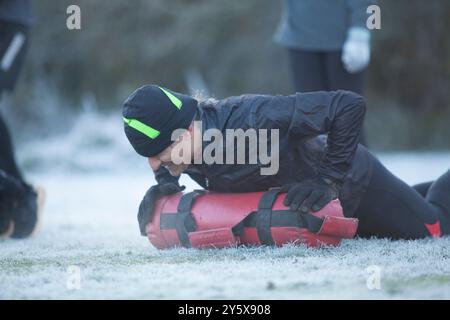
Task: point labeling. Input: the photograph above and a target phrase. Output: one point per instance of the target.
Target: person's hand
(356, 50)
(147, 206)
(310, 194)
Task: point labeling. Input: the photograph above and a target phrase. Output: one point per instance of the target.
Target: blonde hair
(203, 100)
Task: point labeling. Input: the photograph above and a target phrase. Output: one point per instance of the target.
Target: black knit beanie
(151, 114)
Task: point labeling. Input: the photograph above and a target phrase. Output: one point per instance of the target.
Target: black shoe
(24, 213)
(20, 207)
(9, 186)
(7, 228)
(6, 224)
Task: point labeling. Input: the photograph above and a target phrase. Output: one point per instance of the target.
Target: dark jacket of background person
(318, 24)
(300, 118)
(16, 11)
(16, 18)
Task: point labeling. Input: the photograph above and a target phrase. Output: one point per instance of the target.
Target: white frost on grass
(90, 222)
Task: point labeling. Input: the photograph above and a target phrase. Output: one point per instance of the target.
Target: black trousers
(324, 71)
(392, 209)
(13, 45)
(316, 71)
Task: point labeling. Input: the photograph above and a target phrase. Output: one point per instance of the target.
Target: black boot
(19, 205)
(25, 213)
(6, 223)
(9, 187)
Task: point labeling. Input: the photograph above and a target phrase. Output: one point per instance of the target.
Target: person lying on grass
(312, 168)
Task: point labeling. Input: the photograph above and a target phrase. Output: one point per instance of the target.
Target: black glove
(310, 194)
(162, 176)
(167, 185)
(147, 206)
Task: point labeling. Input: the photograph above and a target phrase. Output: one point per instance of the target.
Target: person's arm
(340, 114)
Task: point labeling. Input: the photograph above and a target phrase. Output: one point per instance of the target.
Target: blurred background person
(18, 200)
(328, 44)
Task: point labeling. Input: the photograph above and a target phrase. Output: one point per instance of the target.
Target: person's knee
(439, 196)
(439, 191)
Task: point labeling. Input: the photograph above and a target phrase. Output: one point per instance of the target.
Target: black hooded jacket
(302, 120)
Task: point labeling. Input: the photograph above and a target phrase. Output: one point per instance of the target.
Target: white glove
(356, 50)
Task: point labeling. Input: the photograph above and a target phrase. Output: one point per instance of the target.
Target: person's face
(164, 158)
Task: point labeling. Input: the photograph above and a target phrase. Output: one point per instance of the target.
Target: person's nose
(155, 164)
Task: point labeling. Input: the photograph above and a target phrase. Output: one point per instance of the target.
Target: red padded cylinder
(216, 213)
